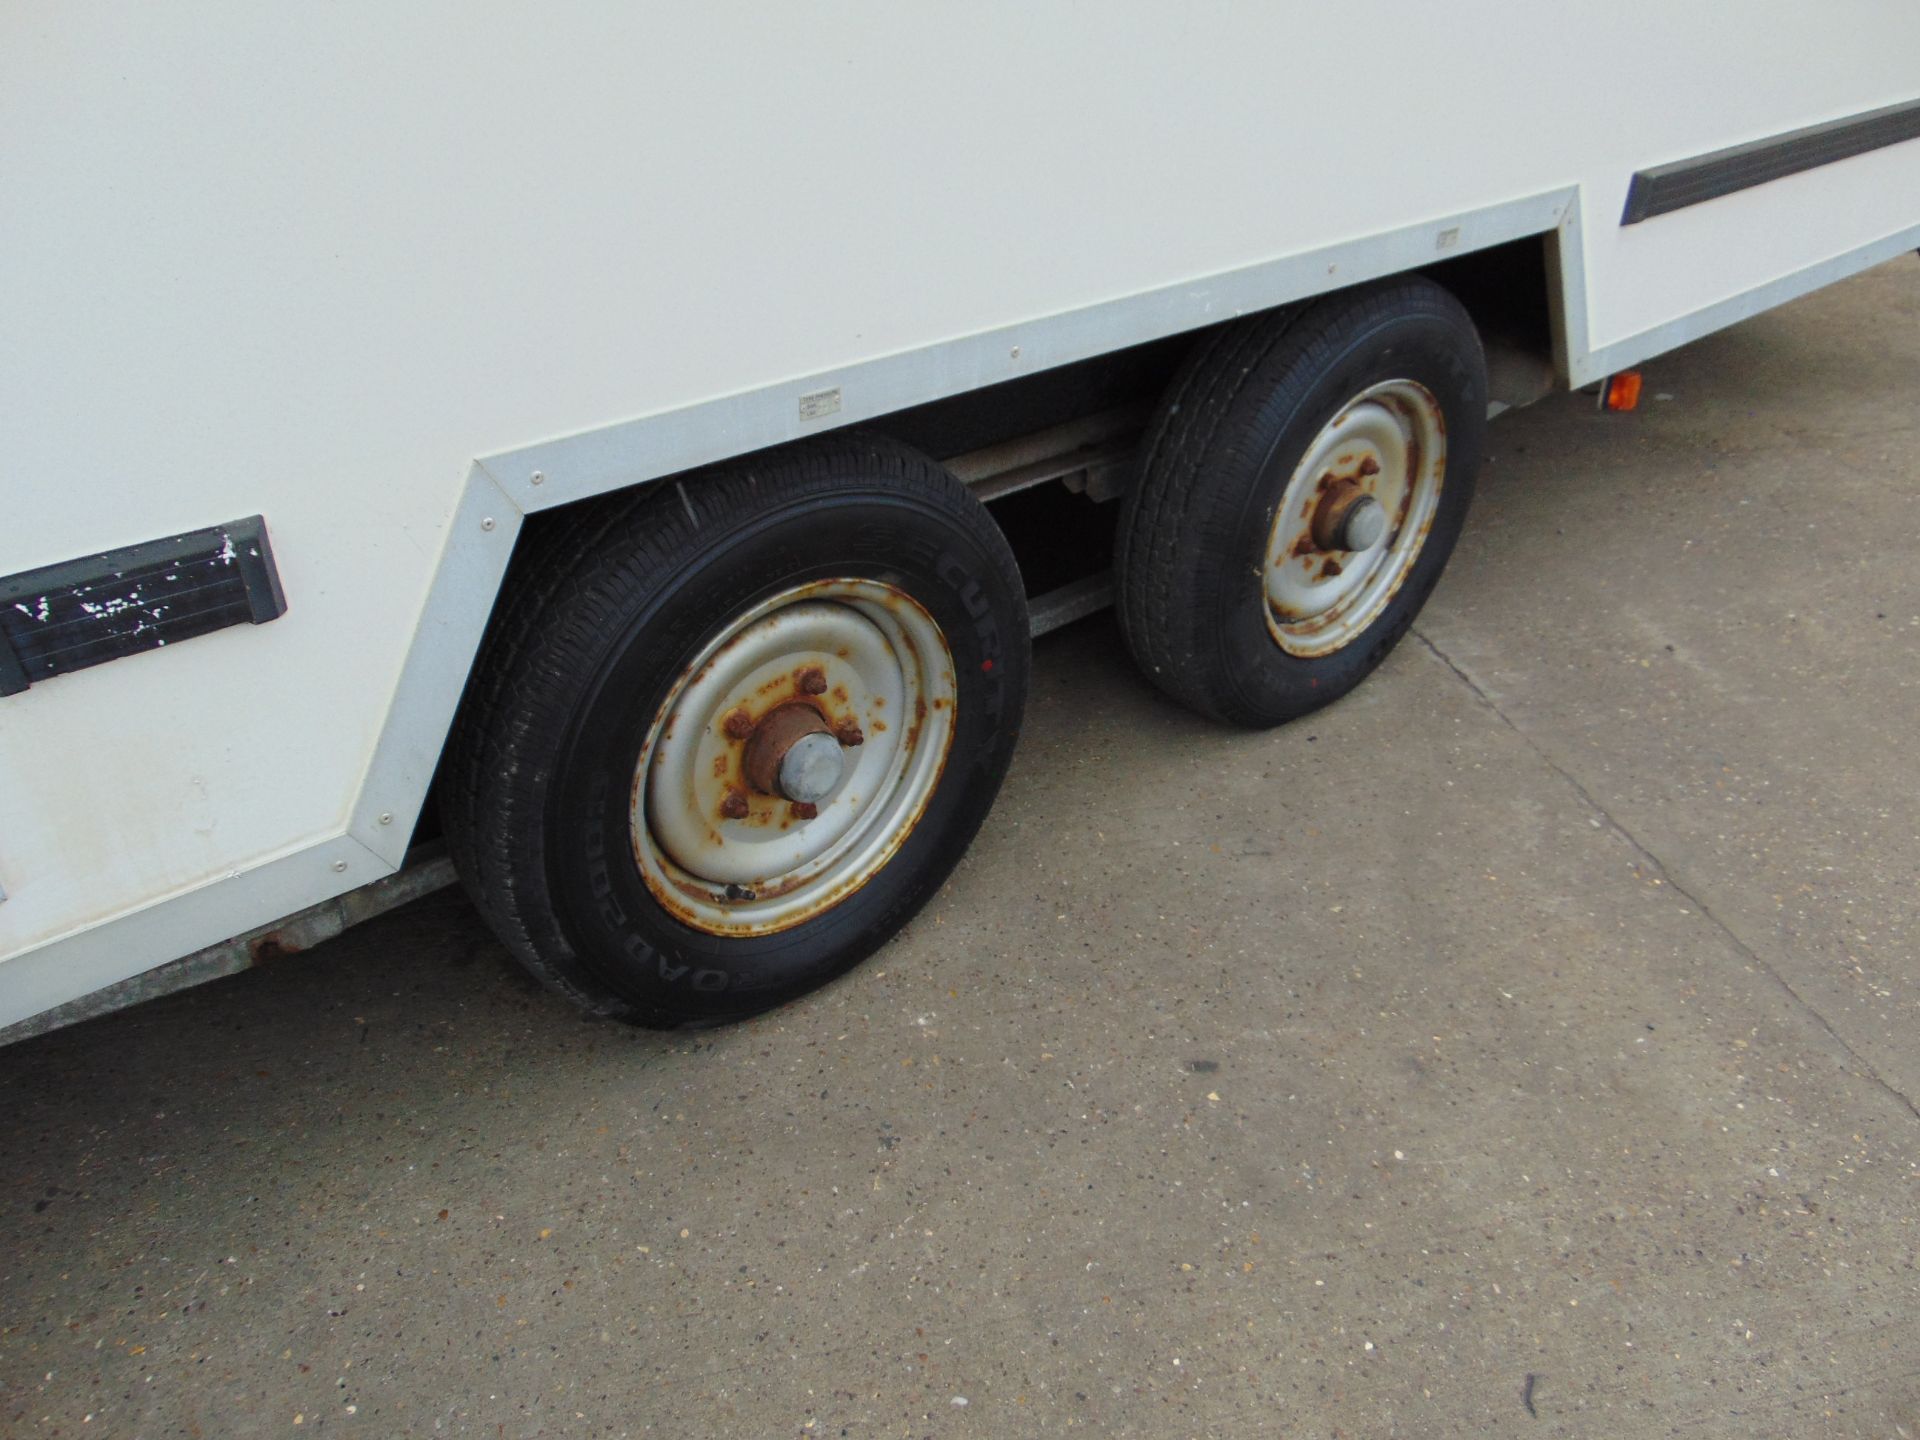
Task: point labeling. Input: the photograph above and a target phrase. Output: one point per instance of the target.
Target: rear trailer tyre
(725, 740)
(1303, 485)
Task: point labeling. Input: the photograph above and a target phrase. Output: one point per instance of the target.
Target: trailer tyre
(726, 739)
(1301, 489)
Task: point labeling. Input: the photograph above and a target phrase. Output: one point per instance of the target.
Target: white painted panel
(313, 261)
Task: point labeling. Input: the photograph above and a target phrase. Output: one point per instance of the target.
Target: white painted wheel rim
(1391, 441)
(886, 668)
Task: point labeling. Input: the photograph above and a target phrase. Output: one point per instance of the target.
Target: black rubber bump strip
(1666, 188)
(65, 617)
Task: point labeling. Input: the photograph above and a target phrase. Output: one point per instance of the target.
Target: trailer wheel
(725, 743)
(1302, 488)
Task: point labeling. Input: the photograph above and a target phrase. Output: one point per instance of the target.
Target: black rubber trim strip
(1666, 188)
(66, 617)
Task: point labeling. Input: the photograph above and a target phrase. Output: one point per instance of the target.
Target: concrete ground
(1525, 1046)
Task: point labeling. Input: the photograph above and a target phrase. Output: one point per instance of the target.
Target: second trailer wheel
(1303, 485)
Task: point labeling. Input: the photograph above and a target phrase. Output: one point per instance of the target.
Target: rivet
(1016, 352)
(487, 524)
(539, 477)
(386, 817)
(339, 867)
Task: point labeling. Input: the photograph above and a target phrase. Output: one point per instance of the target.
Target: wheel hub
(1348, 518)
(793, 754)
(794, 757)
(1352, 517)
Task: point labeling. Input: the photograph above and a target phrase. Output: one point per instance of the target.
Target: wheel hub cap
(1349, 519)
(812, 768)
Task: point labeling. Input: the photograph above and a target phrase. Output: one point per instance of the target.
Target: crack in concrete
(1666, 875)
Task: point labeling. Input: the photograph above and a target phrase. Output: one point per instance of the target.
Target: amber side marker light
(1621, 392)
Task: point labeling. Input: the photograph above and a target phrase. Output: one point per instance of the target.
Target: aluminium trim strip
(670, 441)
(446, 639)
(108, 951)
(425, 872)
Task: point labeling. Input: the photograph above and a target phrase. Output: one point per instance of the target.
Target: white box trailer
(623, 368)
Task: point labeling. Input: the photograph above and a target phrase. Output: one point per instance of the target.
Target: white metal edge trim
(1588, 366)
(593, 462)
(466, 581)
(84, 961)
(1571, 345)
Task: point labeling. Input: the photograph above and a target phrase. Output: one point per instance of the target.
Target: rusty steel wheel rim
(793, 757)
(1353, 517)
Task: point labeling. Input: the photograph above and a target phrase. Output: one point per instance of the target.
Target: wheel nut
(847, 732)
(804, 809)
(735, 806)
(813, 681)
(738, 725)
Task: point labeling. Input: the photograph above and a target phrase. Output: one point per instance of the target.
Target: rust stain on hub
(1330, 515)
(776, 733)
